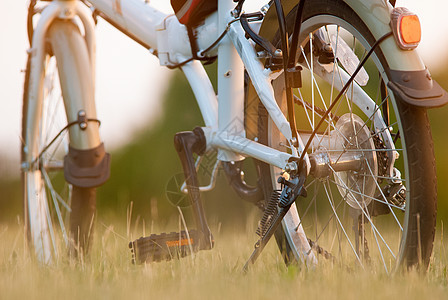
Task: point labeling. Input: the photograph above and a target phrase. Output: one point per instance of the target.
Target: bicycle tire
(416, 225)
(46, 195)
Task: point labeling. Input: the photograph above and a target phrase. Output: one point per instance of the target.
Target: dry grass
(216, 274)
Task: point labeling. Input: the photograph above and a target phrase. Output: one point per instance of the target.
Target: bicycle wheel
(53, 209)
(381, 211)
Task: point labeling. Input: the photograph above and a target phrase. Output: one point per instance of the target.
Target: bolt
(264, 9)
(82, 113)
(291, 167)
(294, 142)
(25, 166)
(278, 53)
(83, 125)
(68, 12)
(261, 54)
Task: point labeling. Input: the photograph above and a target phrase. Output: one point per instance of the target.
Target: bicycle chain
(321, 251)
(382, 157)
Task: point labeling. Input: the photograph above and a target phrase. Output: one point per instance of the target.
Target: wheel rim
(334, 231)
(47, 196)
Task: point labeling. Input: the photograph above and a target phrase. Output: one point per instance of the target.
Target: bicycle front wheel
(53, 209)
(380, 210)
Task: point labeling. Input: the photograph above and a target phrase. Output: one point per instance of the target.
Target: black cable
(202, 54)
(213, 45)
(59, 134)
(295, 35)
(284, 38)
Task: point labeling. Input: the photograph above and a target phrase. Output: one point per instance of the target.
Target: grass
(108, 274)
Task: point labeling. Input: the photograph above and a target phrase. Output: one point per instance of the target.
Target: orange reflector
(410, 29)
(181, 242)
(406, 28)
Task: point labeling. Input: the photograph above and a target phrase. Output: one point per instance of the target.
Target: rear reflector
(406, 28)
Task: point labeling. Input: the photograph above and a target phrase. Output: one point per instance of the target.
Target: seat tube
(230, 85)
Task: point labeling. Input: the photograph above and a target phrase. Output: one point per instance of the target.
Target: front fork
(80, 139)
(79, 100)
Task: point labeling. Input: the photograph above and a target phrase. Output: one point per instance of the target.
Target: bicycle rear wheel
(53, 209)
(383, 213)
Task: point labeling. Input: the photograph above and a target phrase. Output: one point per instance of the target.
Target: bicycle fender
(417, 88)
(410, 79)
(376, 15)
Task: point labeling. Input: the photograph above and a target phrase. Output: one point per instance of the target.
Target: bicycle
(328, 97)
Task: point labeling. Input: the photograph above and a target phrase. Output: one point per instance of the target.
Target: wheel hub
(357, 187)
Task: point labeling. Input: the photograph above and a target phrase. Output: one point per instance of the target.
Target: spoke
(56, 205)
(304, 105)
(331, 216)
(342, 227)
(312, 79)
(310, 66)
(58, 197)
(376, 240)
(367, 196)
(307, 106)
(365, 150)
(306, 210)
(381, 252)
(368, 218)
(54, 97)
(50, 226)
(338, 233)
(382, 177)
(370, 118)
(56, 147)
(384, 197)
(377, 133)
(51, 122)
(309, 184)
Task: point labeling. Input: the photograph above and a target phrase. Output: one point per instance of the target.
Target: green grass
(108, 273)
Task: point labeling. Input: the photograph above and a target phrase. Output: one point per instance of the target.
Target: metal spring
(269, 213)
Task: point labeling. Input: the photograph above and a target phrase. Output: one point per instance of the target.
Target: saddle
(193, 12)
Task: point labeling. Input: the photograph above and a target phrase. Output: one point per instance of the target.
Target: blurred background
(142, 105)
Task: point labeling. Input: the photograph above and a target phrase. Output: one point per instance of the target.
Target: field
(217, 274)
(140, 172)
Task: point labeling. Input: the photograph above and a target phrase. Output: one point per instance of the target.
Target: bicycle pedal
(165, 246)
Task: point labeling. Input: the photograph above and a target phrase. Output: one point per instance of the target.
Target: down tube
(203, 91)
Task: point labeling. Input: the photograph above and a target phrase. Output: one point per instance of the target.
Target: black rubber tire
(416, 135)
(83, 200)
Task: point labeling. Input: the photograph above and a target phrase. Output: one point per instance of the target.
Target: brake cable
(81, 121)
